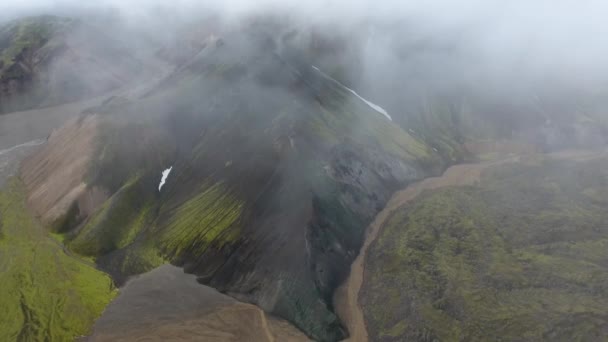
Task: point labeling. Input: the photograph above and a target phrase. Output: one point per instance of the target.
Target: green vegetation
(522, 257)
(201, 221)
(28, 33)
(339, 122)
(118, 222)
(126, 149)
(138, 260)
(241, 166)
(46, 294)
(26, 44)
(116, 236)
(446, 126)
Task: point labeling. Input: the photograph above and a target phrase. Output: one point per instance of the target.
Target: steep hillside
(54, 175)
(276, 171)
(47, 294)
(52, 60)
(518, 257)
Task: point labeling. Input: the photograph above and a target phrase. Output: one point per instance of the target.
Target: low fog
(402, 54)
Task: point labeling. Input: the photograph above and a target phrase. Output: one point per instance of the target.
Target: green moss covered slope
(522, 257)
(47, 294)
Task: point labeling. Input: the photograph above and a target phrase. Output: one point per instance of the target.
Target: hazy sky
(549, 33)
(487, 40)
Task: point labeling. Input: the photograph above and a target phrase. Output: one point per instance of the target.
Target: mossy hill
(521, 257)
(277, 171)
(47, 295)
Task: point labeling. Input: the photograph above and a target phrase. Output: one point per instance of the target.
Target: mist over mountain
(510, 63)
(326, 170)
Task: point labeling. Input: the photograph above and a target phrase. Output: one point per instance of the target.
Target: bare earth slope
(54, 176)
(167, 304)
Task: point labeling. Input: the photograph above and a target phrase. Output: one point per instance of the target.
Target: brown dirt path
(347, 296)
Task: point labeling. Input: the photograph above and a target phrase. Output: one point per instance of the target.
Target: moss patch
(127, 148)
(118, 222)
(46, 294)
(340, 123)
(521, 258)
(28, 33)
(205, 219)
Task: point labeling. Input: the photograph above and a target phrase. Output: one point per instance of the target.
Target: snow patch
(164, 178)
(372, 105)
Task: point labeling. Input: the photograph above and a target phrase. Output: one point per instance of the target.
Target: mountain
(50, 60)
(254, 181)
(276, 170)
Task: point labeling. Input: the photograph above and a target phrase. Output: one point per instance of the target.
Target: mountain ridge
(304, 179)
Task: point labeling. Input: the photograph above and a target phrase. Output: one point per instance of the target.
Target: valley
(193, 173)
